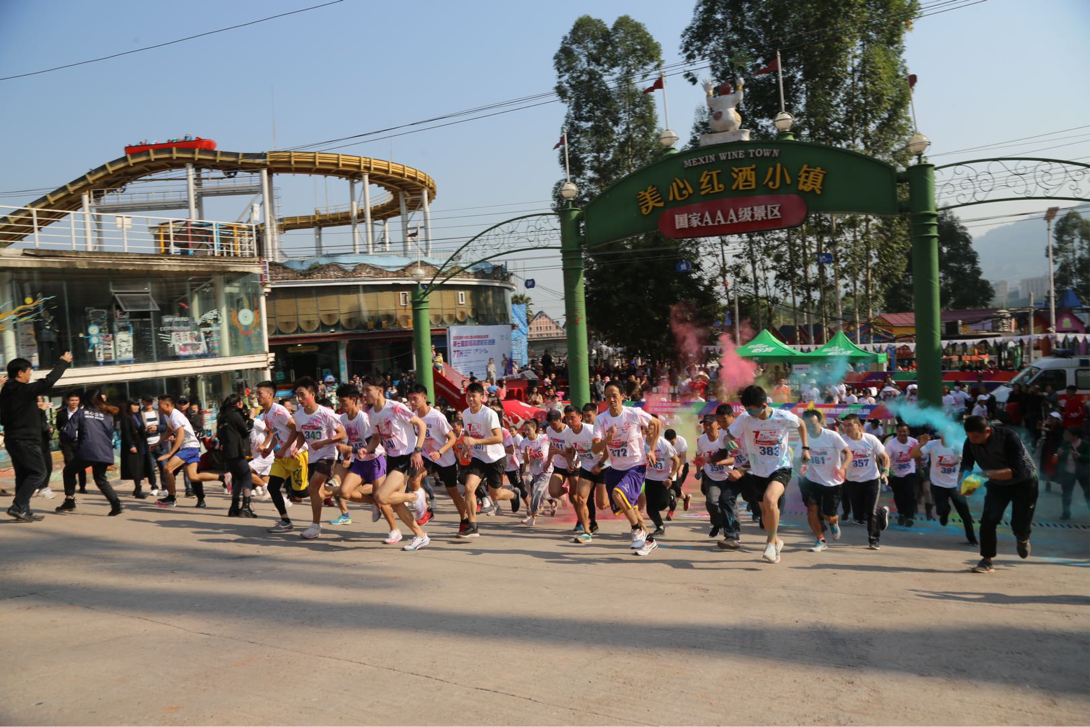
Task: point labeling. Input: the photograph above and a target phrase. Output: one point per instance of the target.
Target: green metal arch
(482, 233)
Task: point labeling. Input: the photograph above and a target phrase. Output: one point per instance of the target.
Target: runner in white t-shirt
(720, 488)
(185, 452)
(821, 479)
(903, 475)
(562, 478)
(763, 433)
(539, 467)
(484, 436)
(512, 468)
(357, 474)
(945, 467)
(681, 446)
(620, 431)
(439, 458)
(656, 487)
(579, 441)
(401, 433)
(282, 444)
(321, 429)
(869, 465)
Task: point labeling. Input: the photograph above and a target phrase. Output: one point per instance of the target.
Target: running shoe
(771, 554)
(428, 515)
(226, 490)
(659, 531)
(582, 538)
(154, 492)
(375, 513)
(527, 521)
(342, 519)
(200, 503)
(462, 526)
(1023, 548)
(471, 531)
(578, 528)
(669, 514)
(593, 527)
(417, 543)
(873, 545)
(47, 493)
(420, 505)
(115, 510)
(68, 505)
(883, 517)
(488, 507)
(779, 547)
(284, 526)
(167, 501)
(393, 538)
(639, 538)
(729, 544)
(685, 501)
(835, 528)
(649, 546)
(984, 566)
(819, 545)
(328, 502)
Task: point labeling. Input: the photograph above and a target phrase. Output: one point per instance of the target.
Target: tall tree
(522, 298)
(961, 282)
(1071, 255)
(612, 131)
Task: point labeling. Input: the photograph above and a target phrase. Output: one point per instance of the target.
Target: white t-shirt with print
(581, 442)
(864, 463)
(259, 464)
(480, 426)
(664, 462)
(536, 452)
(705, 448)
(824, 462)
(436, 436)
(626, 447)
(178, 421)
(681, 446)
(765, 440)
(392, 422)
(322, 424)
(945, 464)
(278, 417)
(559, 442)
(359, 432)
(900, 464)
(514, 460)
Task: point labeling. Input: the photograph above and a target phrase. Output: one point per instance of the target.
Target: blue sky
(997, 71)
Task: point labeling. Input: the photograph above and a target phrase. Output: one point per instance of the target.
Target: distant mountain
(1014, 251)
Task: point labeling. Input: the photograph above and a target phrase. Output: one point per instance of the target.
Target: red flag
(656, 86)
(912, 80)
(773, 66)
(561, 143)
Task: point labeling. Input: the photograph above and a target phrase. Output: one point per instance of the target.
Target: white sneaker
(47, 493)
(417, 543)
(312, 532)
(487, 506)
(265, 496)
(819, 546)
(779, 547)
(639, 538)
(420, 507)
(226, 490)
(771, 554)
(393, 538)
(287, 502)
(647, 548)
(154, 493)
(375, 514)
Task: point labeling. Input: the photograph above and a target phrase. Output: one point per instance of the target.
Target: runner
(903, 474)
(392, 423)
(945, 463)
(822, 478)
(185, 452)
(620, 430)
(484, 435)
(535, 450)
(665, 466)
(259, 463)
(321, 429)
(600, 499)
(285, 446)
(513, 464)
(439, 442)
(714, 478)
(870, 464)
(762, 432)
(359, 473)
(562, 476)
(681, 446)
(579, 441)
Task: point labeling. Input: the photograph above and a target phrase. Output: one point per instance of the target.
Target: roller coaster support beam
(367, 222)
(354, 210)
(427, 223)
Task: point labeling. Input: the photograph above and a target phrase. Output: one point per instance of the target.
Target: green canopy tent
(840, 346)
(766, 348)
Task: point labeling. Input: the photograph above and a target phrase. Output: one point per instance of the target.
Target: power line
(170, 42)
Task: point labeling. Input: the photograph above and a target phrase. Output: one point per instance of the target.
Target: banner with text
(470, 347)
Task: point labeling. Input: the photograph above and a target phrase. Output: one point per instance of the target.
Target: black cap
(708, 418)
(554, 415)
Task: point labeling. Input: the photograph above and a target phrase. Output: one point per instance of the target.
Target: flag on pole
(657, 85)
(912, 80)
(415, 232)
(563, 141)
(773, 66)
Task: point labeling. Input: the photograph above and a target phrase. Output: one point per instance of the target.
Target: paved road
(188, 617)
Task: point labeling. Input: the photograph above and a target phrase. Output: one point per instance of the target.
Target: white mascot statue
(725, 122)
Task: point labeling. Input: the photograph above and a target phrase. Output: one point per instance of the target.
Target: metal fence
(44, 229)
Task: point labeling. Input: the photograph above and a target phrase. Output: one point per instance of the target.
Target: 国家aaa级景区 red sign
(733, 216)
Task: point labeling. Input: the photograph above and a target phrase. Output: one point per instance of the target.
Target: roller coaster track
(115, 174)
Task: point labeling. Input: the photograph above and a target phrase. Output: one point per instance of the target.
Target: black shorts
(402, 463)
(323, 467)
(596, 479)
(515, 478)
(448, 475)
(490, 473)
(758, 484)
(562, 472)
(827, 499)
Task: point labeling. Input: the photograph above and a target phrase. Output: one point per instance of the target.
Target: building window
(461, 297)
(403, 298)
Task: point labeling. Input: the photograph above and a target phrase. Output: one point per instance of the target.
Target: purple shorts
(370, 470)
(629, 482)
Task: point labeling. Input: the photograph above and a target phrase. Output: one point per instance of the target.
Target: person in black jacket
(93, 427)
(134, 445)
(23, 429)
(68, 447)
(234, 439)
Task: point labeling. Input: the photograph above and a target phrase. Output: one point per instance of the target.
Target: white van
(1057, 371)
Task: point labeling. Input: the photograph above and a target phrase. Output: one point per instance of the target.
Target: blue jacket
(94, 432)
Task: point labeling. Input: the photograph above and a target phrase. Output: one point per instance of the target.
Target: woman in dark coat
(92, 428)
(134, 446)
(234, 439)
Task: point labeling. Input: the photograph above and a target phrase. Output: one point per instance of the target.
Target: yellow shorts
(293, 469)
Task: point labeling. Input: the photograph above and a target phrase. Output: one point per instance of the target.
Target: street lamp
(918, 144)
(418, 274)
(568, 190)
(783, 122)
(668, 138)
(1050, 215)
